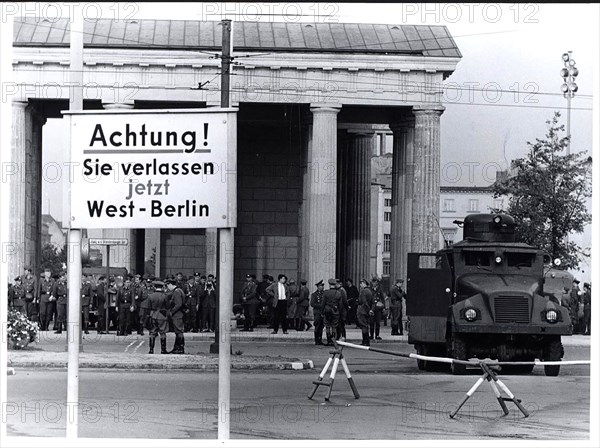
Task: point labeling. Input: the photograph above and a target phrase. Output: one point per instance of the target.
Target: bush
(20, 330)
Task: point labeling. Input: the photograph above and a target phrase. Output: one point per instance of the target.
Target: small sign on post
(108, 241)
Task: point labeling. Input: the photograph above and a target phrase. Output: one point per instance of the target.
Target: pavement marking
(297, 365)
(126, 348)
(139, 345)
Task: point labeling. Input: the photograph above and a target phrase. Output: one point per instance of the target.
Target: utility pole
(225, 264)
(225, 101)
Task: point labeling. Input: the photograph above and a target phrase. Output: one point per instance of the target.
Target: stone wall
(269, 197)
(182, 250)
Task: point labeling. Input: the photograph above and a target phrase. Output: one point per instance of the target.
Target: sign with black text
(171, 168)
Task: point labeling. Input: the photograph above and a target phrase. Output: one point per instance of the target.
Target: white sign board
(153, 169)
(108, 241)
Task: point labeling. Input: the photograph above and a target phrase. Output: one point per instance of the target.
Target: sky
(508, 76)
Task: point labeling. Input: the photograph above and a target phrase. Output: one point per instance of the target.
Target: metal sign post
(74, 261)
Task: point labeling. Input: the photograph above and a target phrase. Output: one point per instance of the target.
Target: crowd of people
(579, 304)
(182, 304)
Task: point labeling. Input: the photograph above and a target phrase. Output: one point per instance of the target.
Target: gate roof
(361, 38)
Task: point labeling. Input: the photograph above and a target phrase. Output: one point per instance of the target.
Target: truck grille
(511, 309)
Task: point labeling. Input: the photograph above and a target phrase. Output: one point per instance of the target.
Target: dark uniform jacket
(316, 301)
(365, 302)
(101, 295)
(396, 295)
(303, 298)
(202, 296)
(60, 292)
(30, 287)
(249, 295)
(177, 301)
(343, 303)
(45, 289)
(18, 296)
(191, 295)
(86, 294)
(332, 299)
(140, 293)
(158, 305)
(125, 296)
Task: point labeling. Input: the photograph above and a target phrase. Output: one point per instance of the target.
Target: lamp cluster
(569, 73)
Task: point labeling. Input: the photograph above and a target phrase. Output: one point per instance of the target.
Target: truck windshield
(519, 259)
(473, 258)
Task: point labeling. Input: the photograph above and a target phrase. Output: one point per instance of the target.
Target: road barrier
(486, 365)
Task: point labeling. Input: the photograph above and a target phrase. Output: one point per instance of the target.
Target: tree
(547, 195)
(53, 258)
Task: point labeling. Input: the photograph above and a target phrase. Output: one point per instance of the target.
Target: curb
(203, 366)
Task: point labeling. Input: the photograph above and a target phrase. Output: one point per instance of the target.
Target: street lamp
(568, 74)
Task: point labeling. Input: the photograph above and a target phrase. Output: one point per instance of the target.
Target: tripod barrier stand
(492, 378)
(336, 358)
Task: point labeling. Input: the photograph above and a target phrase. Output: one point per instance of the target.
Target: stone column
(358, 204)
(426, 187)
(122, 256)
(322, 193)
(20, 142)
(305, 206)
(402, 193)
(33, 231)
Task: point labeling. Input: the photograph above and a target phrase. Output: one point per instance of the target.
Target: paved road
(182, 404)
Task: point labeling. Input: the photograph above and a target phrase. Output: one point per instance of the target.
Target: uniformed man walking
(47, 302)
(158, 305)
(176, 312)
(302, 307)
(396, 296)
(316, 302)
(341, 328)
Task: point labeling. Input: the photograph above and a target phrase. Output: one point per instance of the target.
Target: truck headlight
(470, 314)
(551, 316)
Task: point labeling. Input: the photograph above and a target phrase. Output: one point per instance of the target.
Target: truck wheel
(553, 351)
(459, 351)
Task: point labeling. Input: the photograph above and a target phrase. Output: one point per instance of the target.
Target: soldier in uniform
(316, 301)
(60, 294)
(352, 292)
(331, 310)
(125, 306)
(158, 304)
(191, 300)
(101, 304)
(144, 313)
(379, 299)
(302, 307)
(202, 316)
(112, 293)
(396, 296)
(180, 282)
(86, 301)
(341, 329)
(47, 302)
(249, 302)
(18, 297)
(211, 305)
(365, 310)
(30, 285)
(176, 312)
(140, 293)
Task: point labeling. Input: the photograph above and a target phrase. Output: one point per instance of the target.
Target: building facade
(313, 99)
